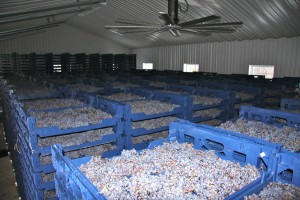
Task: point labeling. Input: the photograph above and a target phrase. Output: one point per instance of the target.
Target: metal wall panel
(61, 39)
(227, 57)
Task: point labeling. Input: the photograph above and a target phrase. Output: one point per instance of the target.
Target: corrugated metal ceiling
(262, 19)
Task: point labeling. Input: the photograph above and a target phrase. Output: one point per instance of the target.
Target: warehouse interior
(81, 79)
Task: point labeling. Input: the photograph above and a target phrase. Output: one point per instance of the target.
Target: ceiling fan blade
(166, 17)
(157, 31)
(134, 22)
(200, 20)
(217, 25)
(172, 32)
(195, 32)
(134, 31)
(130, 27)
(220, 30)
(177, 32)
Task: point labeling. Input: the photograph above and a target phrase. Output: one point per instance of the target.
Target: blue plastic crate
(33, 138)
(30, 143)
(34, 151)
(139, 91)
(287, 163)
(72, 183)
(55, 94)
(26, 181)
(110, 107)
(226, 105)
(67, 92)
(132, 133)
(288, 168)
(26, 191)
(26, 158)
(180, 112)
(222, 116)
(234, 87)
(273, 117)
(290, 104)
(35, 177)
(181, 100)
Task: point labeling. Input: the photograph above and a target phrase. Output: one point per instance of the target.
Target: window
(57, 68)
(265, 70)
(147, 66)
(190, 67)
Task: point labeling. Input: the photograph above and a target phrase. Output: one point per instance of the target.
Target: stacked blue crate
(130, 118)
(23, 137)
(70, 90)
(267, 116)
(45, 89)
(272, 117)
(71, 183)
(254, 94)
(290, 104)
(12, 138)
(120, 84)
(288, 162)
(226, 104)
(272, 94)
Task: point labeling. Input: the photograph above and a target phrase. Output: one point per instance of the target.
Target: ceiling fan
(204, 26)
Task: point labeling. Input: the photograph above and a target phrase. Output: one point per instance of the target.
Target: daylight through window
(265, 70)
(190, 67)
(147, 66)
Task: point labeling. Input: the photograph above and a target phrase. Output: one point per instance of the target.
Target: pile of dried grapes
(150, 137)
(277, 191)
(46, 104)
(213, 112)
(154, 123)
(287, 136)
(70, 118)
(123, 96)
(151, 107)
(170, 171)
(75, 138)
(204, 100)
(83, 87)
(244, 95)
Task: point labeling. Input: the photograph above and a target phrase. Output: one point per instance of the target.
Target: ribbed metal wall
(62, 39)
(227, 57)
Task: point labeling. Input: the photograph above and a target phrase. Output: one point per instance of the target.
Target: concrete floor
(8, 189)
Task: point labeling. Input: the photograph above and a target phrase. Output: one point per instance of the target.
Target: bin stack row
(237, 146)
(156, 107)
(66, 63)
(38, 114)
(84, 125)
(45, 114)
(290, 105)
(223, 152)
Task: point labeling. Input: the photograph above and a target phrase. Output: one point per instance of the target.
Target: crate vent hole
(256, 117)
(262, 165)
(279, 120)
(189, 139)
(287, 175)
(221, 154)
(239, 156)
(213, 145)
